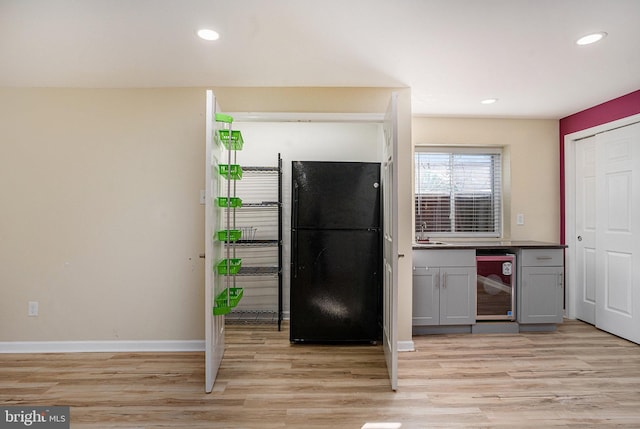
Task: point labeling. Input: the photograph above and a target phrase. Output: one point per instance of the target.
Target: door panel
(214, 325)
(617, 242)
(586, 229)
(457, 298)
(426, 296)
(618, 284)
(390, 233)
(589, 286)
(542, 292)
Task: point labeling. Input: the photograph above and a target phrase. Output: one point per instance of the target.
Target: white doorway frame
(376, 118)
(570, 205)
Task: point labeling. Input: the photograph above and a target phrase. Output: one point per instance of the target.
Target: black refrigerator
(336, 252)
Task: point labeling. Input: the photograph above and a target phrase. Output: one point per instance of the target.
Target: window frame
(499, 173)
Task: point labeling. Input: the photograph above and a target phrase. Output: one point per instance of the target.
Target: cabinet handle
(422, 268)
(543, 258)
(444, 280)
(560, 279)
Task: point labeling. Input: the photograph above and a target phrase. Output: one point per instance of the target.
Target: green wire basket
(226, 300)
(236, 139)
(234, 266)
(221, 117)
(229, 235)
(233, 172)
(229, 202)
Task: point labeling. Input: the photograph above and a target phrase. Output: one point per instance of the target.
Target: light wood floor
(577, 377)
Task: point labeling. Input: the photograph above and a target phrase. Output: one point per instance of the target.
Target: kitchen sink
(432, 243)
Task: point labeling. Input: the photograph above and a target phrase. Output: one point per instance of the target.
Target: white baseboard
(406, 346)
(100, 346)
(121, 346)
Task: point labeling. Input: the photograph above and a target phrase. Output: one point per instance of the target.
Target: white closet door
(586, 229)
(618, 232)
(214, 325)
(390, 204)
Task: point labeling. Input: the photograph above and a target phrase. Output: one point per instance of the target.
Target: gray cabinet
(444, 284)
(541, 286)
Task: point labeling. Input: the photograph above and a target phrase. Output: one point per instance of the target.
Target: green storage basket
(236, 139)
(219, 311)
(234, 266)
(234, 172)
(221, 117)
(229, 202)
(229, 235)
(226, 300)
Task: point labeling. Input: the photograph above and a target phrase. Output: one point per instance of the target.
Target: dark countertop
(498, 244)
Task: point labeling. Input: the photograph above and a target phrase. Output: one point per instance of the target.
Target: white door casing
(607, 259)
(390, 232)
(214, 332)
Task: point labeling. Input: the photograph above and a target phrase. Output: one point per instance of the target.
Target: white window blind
(458, 192)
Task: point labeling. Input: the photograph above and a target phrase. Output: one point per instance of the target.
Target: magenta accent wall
(618, 108)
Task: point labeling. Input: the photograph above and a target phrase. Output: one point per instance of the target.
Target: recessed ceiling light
(208, 34)
(489, 100)
(591, 38)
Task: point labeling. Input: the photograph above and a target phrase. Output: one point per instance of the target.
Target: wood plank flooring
(577, 377)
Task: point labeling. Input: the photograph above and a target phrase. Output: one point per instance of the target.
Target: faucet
(423, 226)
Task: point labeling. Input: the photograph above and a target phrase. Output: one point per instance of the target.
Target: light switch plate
(33, 308)
(203, 197)
(520, 219)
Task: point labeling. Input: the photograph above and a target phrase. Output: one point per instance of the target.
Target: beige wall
(306, 99)
(101, 221)
(533, 179)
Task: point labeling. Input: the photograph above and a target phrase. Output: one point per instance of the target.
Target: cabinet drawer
(444, 258)
(541, 257)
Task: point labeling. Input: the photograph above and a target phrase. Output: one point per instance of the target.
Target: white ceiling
(452, 53)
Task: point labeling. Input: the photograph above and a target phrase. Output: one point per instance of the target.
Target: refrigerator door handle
(294, 232)
(294, 253)
(294, 206)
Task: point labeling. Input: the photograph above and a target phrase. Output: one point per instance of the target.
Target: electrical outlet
(33, 308)
(520, 219)
(203, 197)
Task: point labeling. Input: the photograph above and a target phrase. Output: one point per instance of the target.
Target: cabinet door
(541, 295)
(426, 296)
(458, 296)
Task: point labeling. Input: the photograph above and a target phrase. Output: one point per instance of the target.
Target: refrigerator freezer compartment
(227, 299)
(231, 267)
(336, 195)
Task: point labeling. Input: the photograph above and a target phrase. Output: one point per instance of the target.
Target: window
(458, 191)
